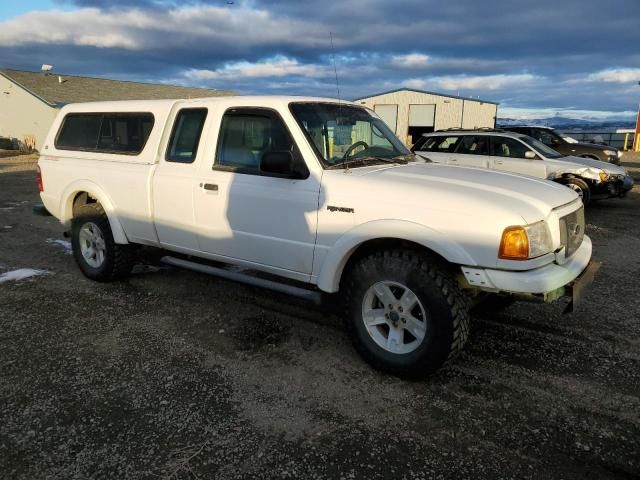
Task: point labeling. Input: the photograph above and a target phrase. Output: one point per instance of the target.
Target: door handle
(499, 162)
(212, 187)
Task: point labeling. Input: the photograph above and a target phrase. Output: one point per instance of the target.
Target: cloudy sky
(577, 58)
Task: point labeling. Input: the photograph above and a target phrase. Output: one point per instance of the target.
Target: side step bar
(310, 295)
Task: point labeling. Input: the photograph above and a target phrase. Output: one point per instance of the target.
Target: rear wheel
(405, 314)
(579, 186)
(99, 257)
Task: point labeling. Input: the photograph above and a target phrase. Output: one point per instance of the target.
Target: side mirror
(282, 164)
(529, 155)
(555, 141)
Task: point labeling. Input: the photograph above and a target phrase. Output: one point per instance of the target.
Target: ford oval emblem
(574, 229)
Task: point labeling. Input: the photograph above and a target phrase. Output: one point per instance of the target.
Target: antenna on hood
(335, 69)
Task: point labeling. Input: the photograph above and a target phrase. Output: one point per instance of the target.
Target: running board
(310, 295)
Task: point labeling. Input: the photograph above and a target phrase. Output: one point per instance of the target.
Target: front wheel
(405, 314)
(579, 186)
(99, 257)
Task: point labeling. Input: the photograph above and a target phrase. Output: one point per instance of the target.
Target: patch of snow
(21, 274)
(66, 244)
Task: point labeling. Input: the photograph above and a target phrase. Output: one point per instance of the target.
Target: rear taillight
(40, 184)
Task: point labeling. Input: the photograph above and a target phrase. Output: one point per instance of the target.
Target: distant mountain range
(571, 123)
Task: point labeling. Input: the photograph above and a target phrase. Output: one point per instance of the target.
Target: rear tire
(579, 186)
(99, 257)
(405, 314)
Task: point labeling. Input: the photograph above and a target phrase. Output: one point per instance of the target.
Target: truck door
(174, 181)
(509, 155)
(244, 213)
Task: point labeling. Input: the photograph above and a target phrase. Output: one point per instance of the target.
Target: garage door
(421, 115)
(388, 113)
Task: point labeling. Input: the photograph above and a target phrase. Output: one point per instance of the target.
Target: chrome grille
(572, 231)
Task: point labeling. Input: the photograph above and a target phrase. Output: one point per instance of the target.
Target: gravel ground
(173, 374)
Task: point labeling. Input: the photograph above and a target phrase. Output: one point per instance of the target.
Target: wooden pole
(636, 138)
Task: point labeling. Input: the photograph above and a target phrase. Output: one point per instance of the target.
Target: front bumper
(615, 186)
(627, 183)
(577, 288)
(541, 281)
(620, 186)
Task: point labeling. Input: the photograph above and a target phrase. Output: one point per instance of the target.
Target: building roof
(74, 89)
(426, 92)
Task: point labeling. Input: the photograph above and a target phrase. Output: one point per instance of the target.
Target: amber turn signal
(514, 244)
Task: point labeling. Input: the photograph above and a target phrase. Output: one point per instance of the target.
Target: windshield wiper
(405, 158)
(400, 159)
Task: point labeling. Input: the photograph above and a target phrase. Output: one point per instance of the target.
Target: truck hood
(465, 189)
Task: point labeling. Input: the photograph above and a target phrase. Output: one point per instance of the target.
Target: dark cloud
(115, 4)
(537, 54)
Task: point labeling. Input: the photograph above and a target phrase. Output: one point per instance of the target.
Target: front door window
(246, 135)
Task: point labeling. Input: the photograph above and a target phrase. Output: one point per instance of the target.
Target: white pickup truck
(315, 195)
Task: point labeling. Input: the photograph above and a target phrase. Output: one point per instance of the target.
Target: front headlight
(525, 242)
(603, 176)
(610, 153)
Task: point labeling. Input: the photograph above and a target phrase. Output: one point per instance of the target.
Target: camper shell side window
(122, 133)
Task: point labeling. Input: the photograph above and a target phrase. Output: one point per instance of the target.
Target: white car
(517, 153)
(319, 196)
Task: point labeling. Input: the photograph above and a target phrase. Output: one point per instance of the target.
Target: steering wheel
(347, 154)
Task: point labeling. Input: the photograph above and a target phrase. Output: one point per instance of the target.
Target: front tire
(579, 186)
(405, 314)
(99, 257)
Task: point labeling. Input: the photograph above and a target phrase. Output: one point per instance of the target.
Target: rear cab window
(124, 133)
(185, 135)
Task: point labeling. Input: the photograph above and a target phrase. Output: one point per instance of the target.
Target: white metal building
(410, 113)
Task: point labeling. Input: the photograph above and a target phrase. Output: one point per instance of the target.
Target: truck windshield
(347, 133)
(546, 151)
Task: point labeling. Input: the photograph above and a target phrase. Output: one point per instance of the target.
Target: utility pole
(636, 137)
